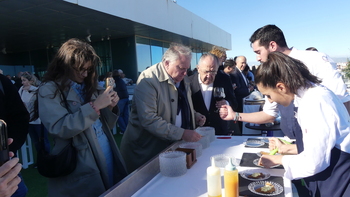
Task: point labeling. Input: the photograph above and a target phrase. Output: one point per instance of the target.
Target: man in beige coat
(158, 116)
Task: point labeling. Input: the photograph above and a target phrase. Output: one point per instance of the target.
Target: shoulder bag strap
(66, 105)
(64, 98)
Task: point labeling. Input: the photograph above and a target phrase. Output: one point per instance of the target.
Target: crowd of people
(301, 86)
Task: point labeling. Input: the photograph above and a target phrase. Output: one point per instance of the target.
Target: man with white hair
(161, 110)
(122, 76)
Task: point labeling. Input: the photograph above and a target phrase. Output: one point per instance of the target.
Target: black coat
(14, 113)
(120, 88)
(242, 89)
(212, 118)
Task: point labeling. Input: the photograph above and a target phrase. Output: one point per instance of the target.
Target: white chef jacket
(322, 66)
(324, 122)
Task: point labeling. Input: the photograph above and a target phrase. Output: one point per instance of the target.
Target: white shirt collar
(207, 91)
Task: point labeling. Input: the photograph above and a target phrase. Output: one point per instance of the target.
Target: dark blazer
(242, 89)
(213, 118)
(14, 113)
(120, 88)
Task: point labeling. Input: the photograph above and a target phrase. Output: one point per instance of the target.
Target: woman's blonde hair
(31, 78)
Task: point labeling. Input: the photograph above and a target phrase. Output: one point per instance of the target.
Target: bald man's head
(241, 62)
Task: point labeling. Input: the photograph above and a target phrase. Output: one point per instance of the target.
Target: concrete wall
(162, 14)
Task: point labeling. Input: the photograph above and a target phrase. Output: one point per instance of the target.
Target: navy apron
(290, 126)
(334, 180)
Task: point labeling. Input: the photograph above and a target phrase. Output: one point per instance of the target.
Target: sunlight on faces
(280, 94)
(222, 59)
(177, 70)
(241, 62)
(207, 70)
(260, 51)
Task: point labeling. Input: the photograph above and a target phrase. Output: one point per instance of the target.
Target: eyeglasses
(88, 70)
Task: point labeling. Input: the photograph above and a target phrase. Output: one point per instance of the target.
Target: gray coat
(90, 176)
(151, 126)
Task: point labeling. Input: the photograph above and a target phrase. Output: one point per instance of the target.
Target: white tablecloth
(194, 183)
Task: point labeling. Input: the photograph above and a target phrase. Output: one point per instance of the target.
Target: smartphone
(4, 147)
(109, 81)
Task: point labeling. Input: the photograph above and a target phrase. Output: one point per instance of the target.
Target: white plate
(254, 143)
(246, 173)
(255, 185)
(265, 139)
(255, 162)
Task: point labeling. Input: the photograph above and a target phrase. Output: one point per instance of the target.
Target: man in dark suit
(242, 86)
(202, 84)
(243, 89)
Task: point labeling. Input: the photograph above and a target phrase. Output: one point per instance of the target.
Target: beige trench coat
(90, 176)
(151, 126)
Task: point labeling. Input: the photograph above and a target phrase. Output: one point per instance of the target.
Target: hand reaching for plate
(269, 161)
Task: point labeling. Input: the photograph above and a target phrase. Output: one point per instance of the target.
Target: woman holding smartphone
(91, 114)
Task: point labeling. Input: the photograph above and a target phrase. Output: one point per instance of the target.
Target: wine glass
(219, 95)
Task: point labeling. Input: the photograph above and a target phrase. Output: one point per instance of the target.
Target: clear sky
(324, 24)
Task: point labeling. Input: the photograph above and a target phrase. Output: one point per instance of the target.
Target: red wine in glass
(219, 94)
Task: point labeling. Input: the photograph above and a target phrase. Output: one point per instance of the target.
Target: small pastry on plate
(268, 188)
(257, 175)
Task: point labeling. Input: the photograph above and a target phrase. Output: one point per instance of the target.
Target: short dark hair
(281, 68)
(267, 34)
(311, 49)
(229, 63)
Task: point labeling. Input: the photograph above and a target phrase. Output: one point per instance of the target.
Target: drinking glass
(219, 95)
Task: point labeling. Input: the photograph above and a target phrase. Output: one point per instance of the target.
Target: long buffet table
(148, 181)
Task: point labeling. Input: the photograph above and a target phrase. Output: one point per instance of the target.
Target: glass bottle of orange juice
(231, 180)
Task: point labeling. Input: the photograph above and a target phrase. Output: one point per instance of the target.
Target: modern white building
(126, 34)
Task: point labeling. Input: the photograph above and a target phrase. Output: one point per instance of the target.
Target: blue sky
(323, 24)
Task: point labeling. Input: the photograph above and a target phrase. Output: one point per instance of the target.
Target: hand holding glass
(219, 95)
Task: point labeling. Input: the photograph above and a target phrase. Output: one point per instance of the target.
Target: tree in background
(347, 70)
